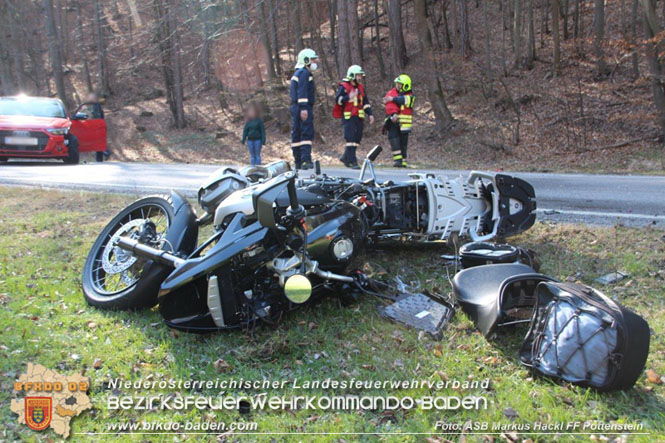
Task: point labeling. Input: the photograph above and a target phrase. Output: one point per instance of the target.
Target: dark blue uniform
(302, 132)
(352, 122)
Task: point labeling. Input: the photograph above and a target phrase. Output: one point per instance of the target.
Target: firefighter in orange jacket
(399, 111)
(352, 105)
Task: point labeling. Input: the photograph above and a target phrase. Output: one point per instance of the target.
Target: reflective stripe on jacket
(402, 105)
(358, 106)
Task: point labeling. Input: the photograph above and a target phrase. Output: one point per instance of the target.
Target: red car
(39, 127)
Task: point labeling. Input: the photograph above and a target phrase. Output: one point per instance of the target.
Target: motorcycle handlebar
(293, 195)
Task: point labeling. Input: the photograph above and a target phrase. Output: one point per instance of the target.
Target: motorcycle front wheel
(117, 279)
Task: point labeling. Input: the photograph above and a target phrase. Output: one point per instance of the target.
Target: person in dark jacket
(254, 134)
(352, 105)
(302, 94)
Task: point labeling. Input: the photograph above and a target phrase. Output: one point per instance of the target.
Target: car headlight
(58, 131)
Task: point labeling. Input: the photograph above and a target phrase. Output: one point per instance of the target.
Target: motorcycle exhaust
(154, 254)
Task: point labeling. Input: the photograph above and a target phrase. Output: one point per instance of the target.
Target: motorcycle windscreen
(264, 199)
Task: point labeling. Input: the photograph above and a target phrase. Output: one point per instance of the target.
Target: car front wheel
(73, 151)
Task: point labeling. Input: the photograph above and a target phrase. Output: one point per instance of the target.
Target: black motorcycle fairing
(487, 293)
(512, 188)
(340, 219)
(236, 238)
(183, 296)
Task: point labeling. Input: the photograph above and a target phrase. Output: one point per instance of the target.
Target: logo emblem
(38, 412)
(21, 133)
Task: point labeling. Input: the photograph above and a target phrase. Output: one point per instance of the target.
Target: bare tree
(272, 18)
(598, 36)
(354, 31)
(633, 37)
(169, 50)
(556, 68)
(397, 44)
(517, 32)
(377, 30)
(265, 39)
(488, 51)
(54, 52)
(464, 31)
(437, 99)
(652, 31)
(102, 63)
(82, 54)
(531, 37)
(297, 26)
(343, 39)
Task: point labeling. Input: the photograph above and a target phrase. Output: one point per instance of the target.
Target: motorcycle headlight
(58, 131)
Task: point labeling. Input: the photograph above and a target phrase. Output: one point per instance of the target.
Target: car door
(90, 131)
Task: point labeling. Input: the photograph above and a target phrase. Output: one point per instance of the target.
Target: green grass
(45, 237)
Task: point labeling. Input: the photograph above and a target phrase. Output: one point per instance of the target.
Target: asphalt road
(585, 198)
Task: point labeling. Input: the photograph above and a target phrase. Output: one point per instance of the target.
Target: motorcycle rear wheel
(115, 279)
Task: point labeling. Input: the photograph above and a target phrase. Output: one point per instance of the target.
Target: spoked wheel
(114, 278)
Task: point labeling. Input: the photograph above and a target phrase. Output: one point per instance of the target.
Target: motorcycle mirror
(317, 167)
(298, 288)
(374, 153)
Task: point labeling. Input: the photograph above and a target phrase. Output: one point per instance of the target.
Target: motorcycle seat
(490, 294)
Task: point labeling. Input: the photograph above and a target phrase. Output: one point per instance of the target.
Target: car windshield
(36, 107)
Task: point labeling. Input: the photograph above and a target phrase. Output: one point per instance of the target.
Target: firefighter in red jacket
(399, 109)
(352, 106)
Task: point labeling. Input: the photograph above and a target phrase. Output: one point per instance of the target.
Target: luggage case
(580, 335)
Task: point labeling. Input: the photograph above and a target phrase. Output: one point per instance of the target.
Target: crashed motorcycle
(279, 240)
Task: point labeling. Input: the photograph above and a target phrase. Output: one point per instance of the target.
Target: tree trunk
(531, 37)
(446, 28)
(265, 39)
(564, 15)
(54, 52)
(272, 18)
(59, 28)
(170, 58)
(517, 32)
(354, 31)
(343, 40)
(557, 43)
(633, 37)
(398, 47)
(102, 67)
(81, 39)
(377, 30)
(504, 64)
(651, 29)
(332, 10)
(442, 114)
(464, 32)
(177, 69)
(15, 47)
(297, 26)
(576, 20)
(488, 51)
(598, 36)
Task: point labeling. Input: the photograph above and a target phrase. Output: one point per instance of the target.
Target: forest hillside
(501, 84)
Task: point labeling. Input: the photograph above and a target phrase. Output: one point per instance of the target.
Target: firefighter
(399, 111)
(302, 102)
(352, 105)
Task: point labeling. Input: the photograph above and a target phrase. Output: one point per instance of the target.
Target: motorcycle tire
(142, 293)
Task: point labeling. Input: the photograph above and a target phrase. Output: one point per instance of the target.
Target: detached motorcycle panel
(492, 294)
